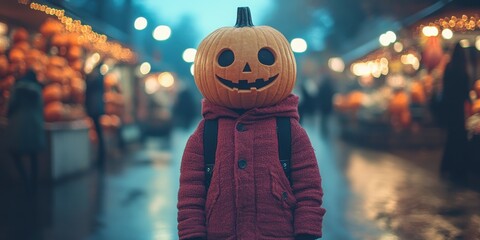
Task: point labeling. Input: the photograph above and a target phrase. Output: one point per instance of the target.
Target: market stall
(61, 51)
(393, 96)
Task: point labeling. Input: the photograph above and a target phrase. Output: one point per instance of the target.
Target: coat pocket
(212, 198)
(282, 191)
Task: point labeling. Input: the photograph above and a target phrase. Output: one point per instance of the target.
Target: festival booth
(393, 97)
(62, 50)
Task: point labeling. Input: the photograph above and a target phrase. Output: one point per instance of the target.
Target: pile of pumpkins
(57, 59)
(114, 102)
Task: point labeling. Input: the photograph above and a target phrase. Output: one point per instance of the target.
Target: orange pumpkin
(417, 93)
(54, 111)
(20, 35)
(23, 45)
(3, 65)
(52, 93)
(77, 65)
(354, 100)
(476, 106)
(399, 103)
(50, 27)
(476, 87)
(7, 83)
(245, 66)
(16, 55)
(74, 53)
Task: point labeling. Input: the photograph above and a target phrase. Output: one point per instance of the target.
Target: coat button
(242, 164)
(241, 127)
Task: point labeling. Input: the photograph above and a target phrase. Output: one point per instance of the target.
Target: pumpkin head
(245, 66)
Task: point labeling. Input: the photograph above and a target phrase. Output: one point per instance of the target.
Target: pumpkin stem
(244, 18)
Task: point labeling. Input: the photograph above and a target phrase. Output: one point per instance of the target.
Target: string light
(455, 24)
(96, 41)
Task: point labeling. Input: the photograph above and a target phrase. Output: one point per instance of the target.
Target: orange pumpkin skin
(476, 87)
(476, 106)
(54, 112)
(3, 65)
(245, 41)
(52, 93)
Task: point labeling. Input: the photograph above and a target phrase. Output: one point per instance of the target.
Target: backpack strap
(210, 133)
(284, 136)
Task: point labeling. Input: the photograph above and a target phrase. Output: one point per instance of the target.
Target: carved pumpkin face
(245, 66)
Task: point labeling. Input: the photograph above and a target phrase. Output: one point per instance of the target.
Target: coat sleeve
(192, 194)
(306, 186)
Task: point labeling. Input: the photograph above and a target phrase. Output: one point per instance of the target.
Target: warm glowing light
(391, 36)
(189, 55)
(145, 68)
(336, 64)
(447, 33)
(383, 39)
(465, 43)
(162, 33)
(3, 28)
(166, 79)
(151, 85)
(360, 69)
(430, 31)
(299, 45)
(104, 69)
(477, 43)
(192, 69)
(140, 23)
(96, 57)
(398, 47)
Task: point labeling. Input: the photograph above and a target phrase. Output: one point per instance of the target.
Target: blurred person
(95, 107)
(309, 92)
(455, 95)
(26, 124)
(185, 109)
(325, 101)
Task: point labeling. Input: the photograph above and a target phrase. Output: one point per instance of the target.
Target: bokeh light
(336, 64)
(430, 31)
(140, 23)
(189, 55)
(192, 69)
(162, 33)
(477, 43)
(151, 85)
(398, 47)
(447, 33)
(3, 28)
(145, 68)
(166, 79)
(465, 43)
(299, 45)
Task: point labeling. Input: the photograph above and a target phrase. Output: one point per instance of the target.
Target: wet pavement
(369, 194)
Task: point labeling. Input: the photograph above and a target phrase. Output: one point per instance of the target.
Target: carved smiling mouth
(245, 85)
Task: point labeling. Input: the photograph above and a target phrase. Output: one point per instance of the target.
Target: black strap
(210, 133)
(284, 144)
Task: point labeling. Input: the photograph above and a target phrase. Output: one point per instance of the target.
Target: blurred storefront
(390, 96)
(62, 51)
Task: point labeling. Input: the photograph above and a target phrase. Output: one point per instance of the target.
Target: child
(249, 170)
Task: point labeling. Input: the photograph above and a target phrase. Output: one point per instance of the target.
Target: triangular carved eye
(226, 58)
(266, 57)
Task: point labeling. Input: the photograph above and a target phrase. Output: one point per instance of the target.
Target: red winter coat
(254, 202)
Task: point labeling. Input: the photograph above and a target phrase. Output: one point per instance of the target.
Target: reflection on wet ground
(368, 195)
